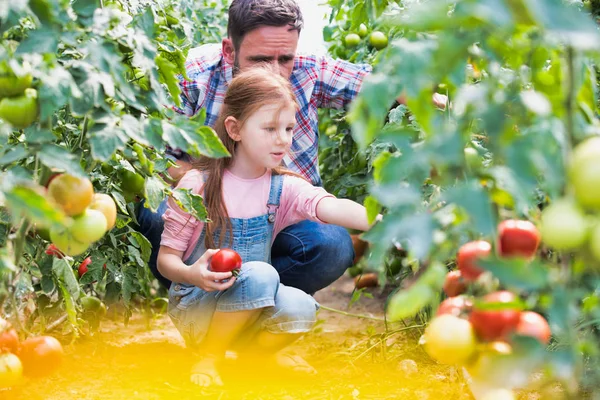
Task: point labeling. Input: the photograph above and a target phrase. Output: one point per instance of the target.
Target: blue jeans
(308, 255)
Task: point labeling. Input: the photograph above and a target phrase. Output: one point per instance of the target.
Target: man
(308, 255)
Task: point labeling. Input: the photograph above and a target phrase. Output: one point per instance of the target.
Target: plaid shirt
(318, 82)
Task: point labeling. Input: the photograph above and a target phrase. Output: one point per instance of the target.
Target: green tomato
(132, 182)
(450, 340)
(584, 173)
(13, 85)
(89, 226)
(474, 162)
(379, 40)
(563, 226)
(362, 30)
(20, 111)
(64, 240)
(352, 40)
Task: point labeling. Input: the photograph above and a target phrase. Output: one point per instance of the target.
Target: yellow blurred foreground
(135, 362)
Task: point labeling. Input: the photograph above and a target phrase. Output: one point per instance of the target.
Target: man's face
(267, 45)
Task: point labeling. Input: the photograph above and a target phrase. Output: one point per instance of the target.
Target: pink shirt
(244, 198)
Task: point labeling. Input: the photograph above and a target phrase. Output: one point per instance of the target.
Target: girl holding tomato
(249, 198)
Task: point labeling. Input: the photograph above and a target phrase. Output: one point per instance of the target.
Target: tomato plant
(523, 90)
(95, 135)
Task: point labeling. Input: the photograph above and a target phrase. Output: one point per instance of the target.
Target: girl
(249, 198)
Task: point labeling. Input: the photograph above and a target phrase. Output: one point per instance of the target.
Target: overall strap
(274, 196)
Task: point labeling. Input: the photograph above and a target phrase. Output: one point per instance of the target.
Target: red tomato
(9, 339)
(454, 284)
(533, 324)
(518, 238)
(83, 267)
(468, 254)
(495, 324)
(225, 260)
(52, 250)
(455, 306)
(41, 355)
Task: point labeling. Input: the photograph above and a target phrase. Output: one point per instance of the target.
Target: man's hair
(247, 15)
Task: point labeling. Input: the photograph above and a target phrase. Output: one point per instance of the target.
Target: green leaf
(413, 231)
(518, 273)
(57, 87)
(476, 203)
(408, 302)
(105, 138)
(565, 23)
(85, 8)
(190, 203)
(373, 208)
(94, 273)
(14, 153)
(155, 192)
(47, 283)
(193, 138)
(144, 245)
(129, 285)
(58, 157)
(396, 195)
(65, 274)
(42, 40)
(27, 201)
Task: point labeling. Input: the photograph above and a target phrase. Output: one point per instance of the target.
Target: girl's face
(264, 139)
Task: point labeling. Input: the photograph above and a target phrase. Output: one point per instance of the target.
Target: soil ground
(150, 362)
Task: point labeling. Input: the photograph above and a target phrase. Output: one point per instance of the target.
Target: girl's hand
(207, 280)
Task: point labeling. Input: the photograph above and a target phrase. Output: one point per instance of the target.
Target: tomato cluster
(377, 39)
(34, 357)
(478, 333)
(565, 223)
(91, 215)
(18, 100)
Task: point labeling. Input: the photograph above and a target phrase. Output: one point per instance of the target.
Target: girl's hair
(247, 92)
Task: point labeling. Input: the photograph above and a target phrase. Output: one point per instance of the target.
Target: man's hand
(199, 274)
(439, 100)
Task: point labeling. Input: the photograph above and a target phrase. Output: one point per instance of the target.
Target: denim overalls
(285, 308)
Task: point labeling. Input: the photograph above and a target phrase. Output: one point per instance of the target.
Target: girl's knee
(295, 311)
(258, 273)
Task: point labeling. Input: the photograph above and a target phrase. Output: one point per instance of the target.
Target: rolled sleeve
(340, 81)
(180, 226)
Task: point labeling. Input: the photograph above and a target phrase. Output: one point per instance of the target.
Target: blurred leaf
(42, 40)
(518, 273)
(29, 202)
(14, 153)
(58, 157)
(476, 203)
(408, 302)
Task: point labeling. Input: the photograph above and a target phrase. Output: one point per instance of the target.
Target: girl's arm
(343, 212)
(171, 266)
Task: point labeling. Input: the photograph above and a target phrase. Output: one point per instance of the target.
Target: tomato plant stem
(350, 314)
